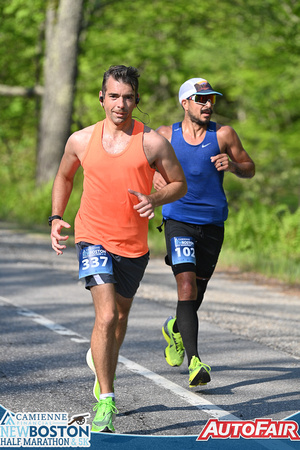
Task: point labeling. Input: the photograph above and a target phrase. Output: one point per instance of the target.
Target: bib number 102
(183, 250)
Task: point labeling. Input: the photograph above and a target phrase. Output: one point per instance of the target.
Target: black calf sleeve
(187, 323)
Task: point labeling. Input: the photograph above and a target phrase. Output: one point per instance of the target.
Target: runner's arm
(233, 157)
(61, 191)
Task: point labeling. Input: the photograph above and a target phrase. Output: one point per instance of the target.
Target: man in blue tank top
(194, 224)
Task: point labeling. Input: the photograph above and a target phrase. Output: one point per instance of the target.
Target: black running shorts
(127, 273)
(208, 240)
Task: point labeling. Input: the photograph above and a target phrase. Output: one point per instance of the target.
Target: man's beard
(197, 120)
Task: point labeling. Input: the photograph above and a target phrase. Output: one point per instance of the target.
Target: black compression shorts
(208, 240)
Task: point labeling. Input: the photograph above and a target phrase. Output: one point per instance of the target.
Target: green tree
(248, 50)
(58, 31)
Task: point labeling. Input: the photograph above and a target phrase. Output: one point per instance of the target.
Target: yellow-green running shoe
(90, 363)
(199, 372)
(105, 415)
(174, 353)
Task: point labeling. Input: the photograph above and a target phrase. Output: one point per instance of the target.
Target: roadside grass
(264, 240)
(257, 239)
(281, 269)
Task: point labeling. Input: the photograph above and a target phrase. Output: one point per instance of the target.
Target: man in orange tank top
(119, 156)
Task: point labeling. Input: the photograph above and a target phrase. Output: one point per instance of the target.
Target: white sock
(110, 394)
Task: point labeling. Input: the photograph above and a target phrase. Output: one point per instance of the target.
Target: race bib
(183, 250)
(94, 259)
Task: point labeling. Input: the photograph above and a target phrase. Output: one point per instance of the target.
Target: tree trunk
(62, 33)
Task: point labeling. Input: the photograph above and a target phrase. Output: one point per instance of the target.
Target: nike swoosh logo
(203, 146)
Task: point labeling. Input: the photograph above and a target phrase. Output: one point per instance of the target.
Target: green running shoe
(174, 353)
(90, 363)
(105, 415)
(199, 373)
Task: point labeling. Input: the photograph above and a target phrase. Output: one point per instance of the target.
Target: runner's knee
(186, 286)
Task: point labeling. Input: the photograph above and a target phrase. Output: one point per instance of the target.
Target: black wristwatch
(50, 218)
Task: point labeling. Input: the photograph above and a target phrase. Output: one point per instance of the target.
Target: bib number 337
(94, 259)
(183, 250)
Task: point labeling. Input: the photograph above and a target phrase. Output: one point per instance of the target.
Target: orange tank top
(106, 215)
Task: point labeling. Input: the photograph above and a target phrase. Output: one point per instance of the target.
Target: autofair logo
(44, 429)
(258, 429)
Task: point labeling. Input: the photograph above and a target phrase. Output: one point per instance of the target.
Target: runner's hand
(144, 207)
(221, 162)
(57, 226)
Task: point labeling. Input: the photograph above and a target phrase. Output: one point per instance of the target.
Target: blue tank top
(205, 201)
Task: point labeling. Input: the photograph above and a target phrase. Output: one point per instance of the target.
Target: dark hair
(128, 75)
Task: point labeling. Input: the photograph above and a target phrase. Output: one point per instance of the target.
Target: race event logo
(257, 429)
(43, 429)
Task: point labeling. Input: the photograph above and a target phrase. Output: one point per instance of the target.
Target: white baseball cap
(195, 86)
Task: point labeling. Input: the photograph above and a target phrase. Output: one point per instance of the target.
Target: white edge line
(189, 397)
(181, 392)
(41, 320)
(195, 400)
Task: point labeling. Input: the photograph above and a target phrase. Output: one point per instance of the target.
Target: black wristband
(50, 218)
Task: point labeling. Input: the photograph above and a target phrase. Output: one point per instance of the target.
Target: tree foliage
(249, 51)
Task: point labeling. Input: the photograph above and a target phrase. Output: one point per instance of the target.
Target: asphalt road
(249, 335)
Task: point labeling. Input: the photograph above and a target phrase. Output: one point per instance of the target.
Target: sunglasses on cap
(203, 99)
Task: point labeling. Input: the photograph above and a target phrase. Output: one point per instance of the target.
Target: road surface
(249, 335)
